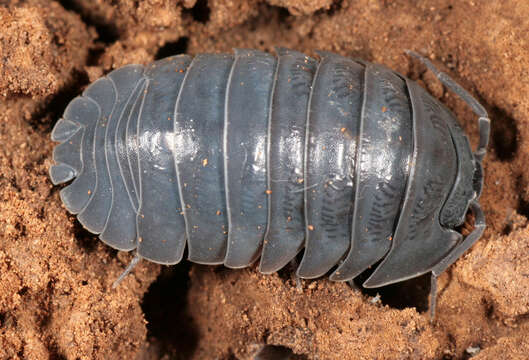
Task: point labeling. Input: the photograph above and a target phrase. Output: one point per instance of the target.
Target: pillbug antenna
(135, 260)
(484, 121)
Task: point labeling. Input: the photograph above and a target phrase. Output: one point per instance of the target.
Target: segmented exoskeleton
(253, 155)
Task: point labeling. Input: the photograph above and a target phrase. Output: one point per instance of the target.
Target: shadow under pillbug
(251, 156)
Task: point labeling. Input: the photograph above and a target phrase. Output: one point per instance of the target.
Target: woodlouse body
(252, 155)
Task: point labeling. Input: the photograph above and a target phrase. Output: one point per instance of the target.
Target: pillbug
(251, 155)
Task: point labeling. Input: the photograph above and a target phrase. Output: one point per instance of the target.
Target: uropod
(250, 156)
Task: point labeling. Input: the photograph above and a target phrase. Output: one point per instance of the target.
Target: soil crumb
(56, 299)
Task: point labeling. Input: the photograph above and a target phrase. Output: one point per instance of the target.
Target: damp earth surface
(56, 299)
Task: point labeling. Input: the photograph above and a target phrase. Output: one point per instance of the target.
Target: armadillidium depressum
(251, 156)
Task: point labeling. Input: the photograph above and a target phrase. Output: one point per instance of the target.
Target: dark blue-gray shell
(253, 155)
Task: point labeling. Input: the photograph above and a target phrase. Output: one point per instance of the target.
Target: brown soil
(56, 299)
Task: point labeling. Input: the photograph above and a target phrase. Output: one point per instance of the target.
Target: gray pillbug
(253, 155)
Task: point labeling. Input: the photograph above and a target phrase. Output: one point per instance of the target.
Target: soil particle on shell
(56, 299)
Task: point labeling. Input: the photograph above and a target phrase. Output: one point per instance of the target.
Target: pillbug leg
(479, 227)
(484, 121)
(433, 296)
(294, 264)
(135, 260)
(299, 285)
(352, 284)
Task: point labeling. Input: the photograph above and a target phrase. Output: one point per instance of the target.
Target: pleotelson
(253, 155)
